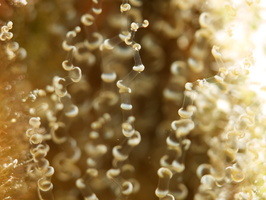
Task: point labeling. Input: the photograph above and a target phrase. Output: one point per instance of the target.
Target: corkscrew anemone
(132, 100)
